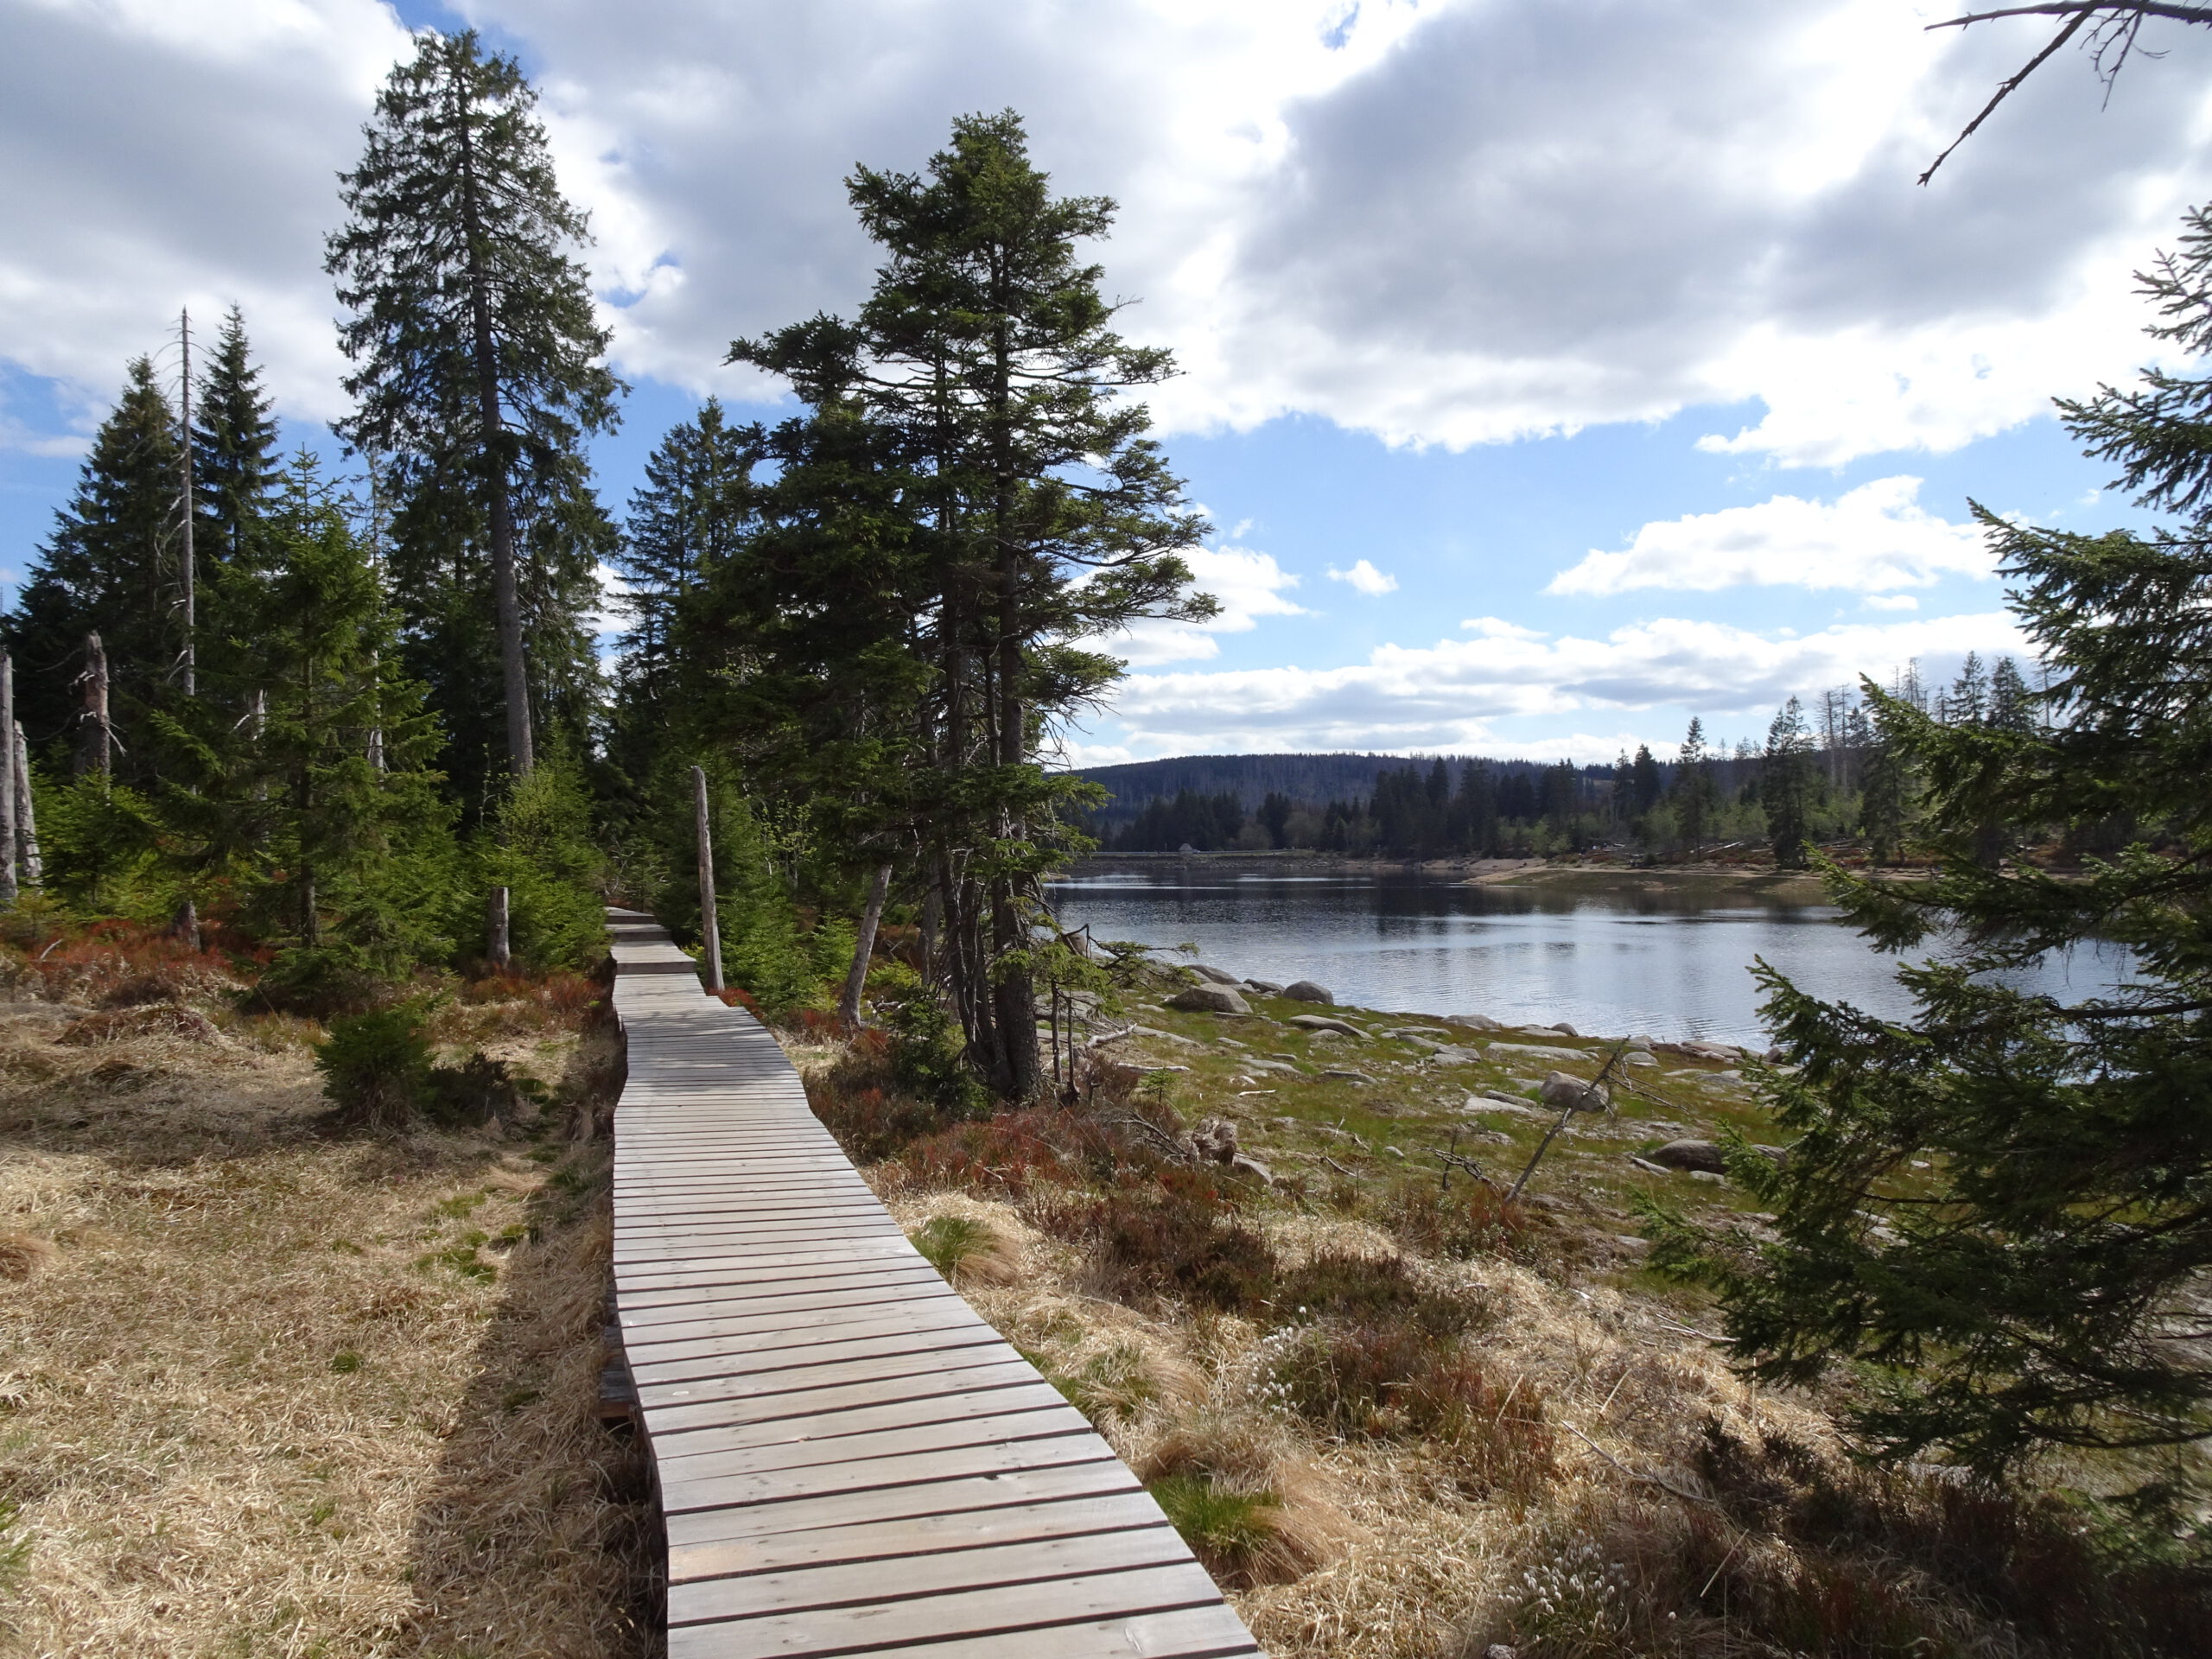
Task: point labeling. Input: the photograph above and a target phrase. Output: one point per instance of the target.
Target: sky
(1550, 373)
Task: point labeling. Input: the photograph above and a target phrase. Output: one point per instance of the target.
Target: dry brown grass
(279, 1391)
(1410, 1423)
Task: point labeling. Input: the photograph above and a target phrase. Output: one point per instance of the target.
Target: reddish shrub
(1169, 1233)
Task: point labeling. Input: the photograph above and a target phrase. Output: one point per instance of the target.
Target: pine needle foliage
(2000, 1211)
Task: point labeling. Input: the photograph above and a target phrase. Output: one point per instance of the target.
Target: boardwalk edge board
(849, 1461)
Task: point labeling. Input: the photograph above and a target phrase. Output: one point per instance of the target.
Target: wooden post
(93, 755)
(848, 1005)
(8, 839)
(26, 814)
(496, 928)
(191, 657)
(709, 927)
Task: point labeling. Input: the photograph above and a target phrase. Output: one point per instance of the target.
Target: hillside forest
(1823, 775)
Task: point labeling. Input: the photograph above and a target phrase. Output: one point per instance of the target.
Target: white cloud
(1452, 223)
(1249, 586)
(1891, 602)
(1447, 695)
(1366, 579)
(1870, 539)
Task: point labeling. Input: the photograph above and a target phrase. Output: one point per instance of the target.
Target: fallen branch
(1105, 1038)
(1338, 1168)
(1176, 1149)
(1649, 1480)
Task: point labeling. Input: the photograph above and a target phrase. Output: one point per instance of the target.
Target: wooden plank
(705, 1529)
(998, 1611)
(995, 1369)
(877, 1541)
(866, 1584)
(1041, 1421)
(916, 1468)
(932, 1405)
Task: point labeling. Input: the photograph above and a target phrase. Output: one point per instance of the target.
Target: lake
(1673, 961)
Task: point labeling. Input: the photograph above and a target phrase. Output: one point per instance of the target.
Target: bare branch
(2127, 14)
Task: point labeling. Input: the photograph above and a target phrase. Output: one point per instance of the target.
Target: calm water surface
(1673, 963)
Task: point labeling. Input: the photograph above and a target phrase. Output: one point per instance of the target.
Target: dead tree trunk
(710, 928)
(848, 1005)
(94, 753)
(8, 840)
(26, 813)
(495, 929)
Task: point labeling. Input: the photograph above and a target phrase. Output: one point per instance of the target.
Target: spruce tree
(1047, 517)
(234, 461)
(1694, 791)
(478, 374)
(1786, 786)
(690, 519)
(111, 568)
(1998, 1212)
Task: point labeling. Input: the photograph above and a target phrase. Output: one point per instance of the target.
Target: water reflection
(1663, 957)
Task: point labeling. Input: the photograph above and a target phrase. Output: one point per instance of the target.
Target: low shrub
(1376, 1379)
(1006, 1156)
(1251, 1507)
(1334, 1284)
(375, 1066)
(1232, 1533)
(1470, 1219)
(1170, 1235)
(479, 1089)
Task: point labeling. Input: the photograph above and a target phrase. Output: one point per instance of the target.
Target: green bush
(376, 1066)
(929, 1056)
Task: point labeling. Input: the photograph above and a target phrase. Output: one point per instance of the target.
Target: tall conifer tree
(234, 461)
(111, 568)
(1049, 518)
(478, 373)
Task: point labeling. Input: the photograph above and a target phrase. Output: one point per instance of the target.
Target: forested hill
(1253, 778)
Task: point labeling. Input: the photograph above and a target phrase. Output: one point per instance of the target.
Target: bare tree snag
(495, 929)
(848, 1005)
(709, 930)
(26, 812)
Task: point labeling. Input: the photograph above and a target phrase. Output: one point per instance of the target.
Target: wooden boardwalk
(850, 1461)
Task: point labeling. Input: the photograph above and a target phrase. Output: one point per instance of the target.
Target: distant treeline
(1821, 775)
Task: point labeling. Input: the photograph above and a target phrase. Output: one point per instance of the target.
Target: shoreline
(1787, 886)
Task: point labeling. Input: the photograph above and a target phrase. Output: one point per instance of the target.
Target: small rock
(1245, 1164)
(1640, 1040)
(1349, 1076)
(1273, 1065)
(1566, 1030)
(1637, 1057)
(1478, 1021)
(1265, 988)
(1703, 1157)
(1500, 1651)
(1500, 1104)
(1727, 1052)
(1306, 990)
(1208, 999)
(1502, 1053)
(1563, 1090)
(1444, 1054)
(1159, 1036)
(1213, 976)
(1322, 1022)
(1708, 1178)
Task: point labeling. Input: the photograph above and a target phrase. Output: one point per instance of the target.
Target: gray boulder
(1504, 1054)
(1265, 988)
(1208, 999)
(1700, 1155)
(1478, 1021)
(1562, 1091)
(1213, 976)
(1566, 1030)
(1322, 1022)
(1306, 990)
